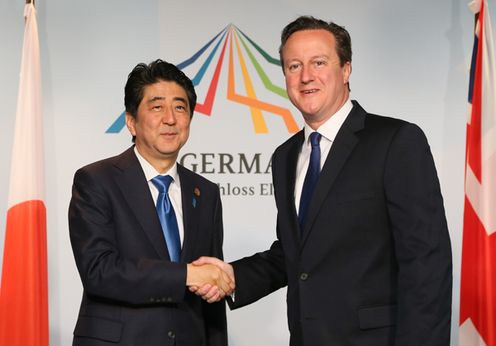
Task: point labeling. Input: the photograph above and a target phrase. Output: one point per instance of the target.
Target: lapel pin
(196, 193)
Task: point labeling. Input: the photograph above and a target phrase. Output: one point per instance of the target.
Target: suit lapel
(286, 179)
(134, 187)
(190, 196)
(341, 149)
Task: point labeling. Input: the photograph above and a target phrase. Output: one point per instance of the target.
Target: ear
(346, 72)
(131, 124)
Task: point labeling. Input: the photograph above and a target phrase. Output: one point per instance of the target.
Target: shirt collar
(330, 128)
(151, 172)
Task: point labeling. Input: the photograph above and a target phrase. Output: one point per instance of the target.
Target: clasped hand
(210, 278)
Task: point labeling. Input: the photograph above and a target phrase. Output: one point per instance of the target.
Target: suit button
(303, 276)
(171, 334)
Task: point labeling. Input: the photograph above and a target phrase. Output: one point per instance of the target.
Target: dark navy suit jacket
(373, 264)
(133, 294)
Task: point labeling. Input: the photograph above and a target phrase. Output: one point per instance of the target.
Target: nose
(168, 116)
(306, 74)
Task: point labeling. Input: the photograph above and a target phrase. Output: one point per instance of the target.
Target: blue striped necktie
(167, 216)
(311, 178)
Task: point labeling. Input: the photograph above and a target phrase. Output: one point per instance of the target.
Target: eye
(157, 108)
(181, 108)
(293, 67)
(320, 63)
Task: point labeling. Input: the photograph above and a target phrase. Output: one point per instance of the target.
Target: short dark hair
(143, 75)
(342, 37)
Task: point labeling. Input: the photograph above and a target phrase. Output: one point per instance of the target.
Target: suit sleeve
(259, 275)
(105, 272)
(263, 273)
(421, 241)
(215, 314)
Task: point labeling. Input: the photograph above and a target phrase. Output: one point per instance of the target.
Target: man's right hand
(210, 291)
(207, 278)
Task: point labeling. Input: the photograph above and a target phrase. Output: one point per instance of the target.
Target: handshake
(210, 278)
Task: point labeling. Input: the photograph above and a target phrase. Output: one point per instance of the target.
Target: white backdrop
(410, 61)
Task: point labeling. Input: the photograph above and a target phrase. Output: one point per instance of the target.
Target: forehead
(164, 90)
(314, 41)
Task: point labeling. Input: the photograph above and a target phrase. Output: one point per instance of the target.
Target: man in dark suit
(365, 251)
(134, 266)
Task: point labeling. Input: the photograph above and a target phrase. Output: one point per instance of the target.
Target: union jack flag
(478, 270)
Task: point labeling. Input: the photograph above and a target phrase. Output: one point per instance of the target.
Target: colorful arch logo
(230, 39)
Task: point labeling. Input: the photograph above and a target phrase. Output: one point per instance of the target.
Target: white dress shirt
(328, 130)
(174, 189)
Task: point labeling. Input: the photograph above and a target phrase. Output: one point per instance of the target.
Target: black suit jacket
(133, 294)
(373, 263)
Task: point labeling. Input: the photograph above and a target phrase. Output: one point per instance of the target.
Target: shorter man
(138, 218)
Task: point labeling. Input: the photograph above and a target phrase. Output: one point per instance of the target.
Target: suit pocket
(98, 328)
(377, 317)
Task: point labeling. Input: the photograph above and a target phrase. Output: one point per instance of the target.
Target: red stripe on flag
(24, 290)
(478, 286)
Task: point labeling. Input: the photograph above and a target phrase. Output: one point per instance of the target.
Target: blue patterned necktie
(311, 178)
(167, 216)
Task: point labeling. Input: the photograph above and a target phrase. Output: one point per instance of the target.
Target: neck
(161, 164)
(315, 123)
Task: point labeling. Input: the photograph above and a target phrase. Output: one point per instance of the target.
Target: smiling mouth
(310, 91)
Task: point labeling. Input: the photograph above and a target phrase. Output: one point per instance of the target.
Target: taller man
(362, 241)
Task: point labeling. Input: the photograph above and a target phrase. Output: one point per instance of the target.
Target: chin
(310, 114)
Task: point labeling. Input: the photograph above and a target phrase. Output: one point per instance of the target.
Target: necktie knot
(315, 139)
(162, 183)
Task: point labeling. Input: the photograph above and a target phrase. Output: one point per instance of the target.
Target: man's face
(315, 81)
(162, 123)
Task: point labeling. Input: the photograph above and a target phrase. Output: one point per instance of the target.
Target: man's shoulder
(374, 119)
(296, 139)
(381, 124)
(383, 121)
(105, 165)
(383, 128)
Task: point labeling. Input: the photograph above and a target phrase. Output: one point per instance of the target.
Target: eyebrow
(320, 56)
(161, 98)
(155, 98)
(325, 56)
(182, 99)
